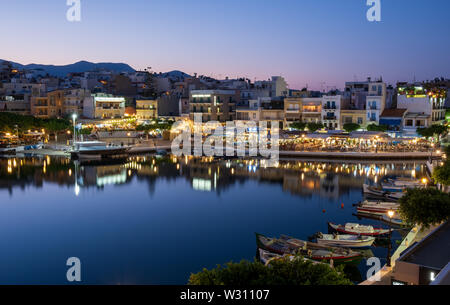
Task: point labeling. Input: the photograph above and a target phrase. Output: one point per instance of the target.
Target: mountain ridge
(77, 67)
(85, 66)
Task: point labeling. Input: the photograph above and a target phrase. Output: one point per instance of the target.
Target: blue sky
(307, 41)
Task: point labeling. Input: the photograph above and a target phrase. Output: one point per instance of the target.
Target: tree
(314, 126)
(298, 125)
(439, 130)
(425, 206)
(441, 174)
(433, 131)
(425, 132)
(375, 127)
(85, 131)
(279, 272)
(55, 126)
(349, 127)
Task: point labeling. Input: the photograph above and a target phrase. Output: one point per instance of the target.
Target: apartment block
(331, 111)
(146, 109)
(214, 105)
(104, 106)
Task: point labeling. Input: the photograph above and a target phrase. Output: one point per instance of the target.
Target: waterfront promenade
(61, 150)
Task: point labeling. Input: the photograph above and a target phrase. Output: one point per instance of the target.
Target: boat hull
(99, 154)
(313, 254)
(343, 230)
(346, 243)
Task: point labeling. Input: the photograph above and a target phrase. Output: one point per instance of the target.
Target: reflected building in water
(300, 178)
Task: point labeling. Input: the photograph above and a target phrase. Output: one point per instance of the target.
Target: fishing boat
(377, 207)
(357, 229)
(346, 241)
(402, 182)
(266, 257)
(394, 221)
(95, 150)
(371, 190)
(289, 245)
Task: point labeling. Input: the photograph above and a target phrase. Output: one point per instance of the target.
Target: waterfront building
(104, 106)
(394, 119)
(18, 104)
(73, 102)
(331, 111)
(214, 105)
(292, 110)
(356, 93)
(59, 103)
(146, 109)
(262, 109)
(375, 101)
(426, 106)
(169, 104)
(353, 116)
(302, 109)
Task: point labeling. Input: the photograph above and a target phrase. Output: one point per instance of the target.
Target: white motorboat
(347, 241)
(97, 150)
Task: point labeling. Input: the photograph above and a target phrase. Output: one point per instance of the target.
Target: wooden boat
(381, 192)
(357, 229)
(377, 207)
(266, 257)
(346, 241)
(402, 182)
(393, 221)
(289, 245)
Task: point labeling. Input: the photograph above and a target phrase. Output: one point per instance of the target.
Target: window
(360, 121)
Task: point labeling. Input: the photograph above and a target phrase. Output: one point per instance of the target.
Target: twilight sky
(322, 43)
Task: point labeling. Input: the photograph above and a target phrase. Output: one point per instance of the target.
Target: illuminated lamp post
(74, 118)
(390, 215)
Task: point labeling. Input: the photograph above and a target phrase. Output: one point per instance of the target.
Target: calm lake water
(150, 220)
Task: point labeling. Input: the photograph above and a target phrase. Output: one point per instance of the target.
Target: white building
(425, 107)
(331, 109)
(375, 102)
(103, 106)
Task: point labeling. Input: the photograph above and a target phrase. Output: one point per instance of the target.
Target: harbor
(297, 198)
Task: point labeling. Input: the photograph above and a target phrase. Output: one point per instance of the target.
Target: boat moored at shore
(357, 229)
(288, 245)
(346, 241)
(95, 150)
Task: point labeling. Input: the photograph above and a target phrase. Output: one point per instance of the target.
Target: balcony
(292, 110)
(329, 107)
(329, 118)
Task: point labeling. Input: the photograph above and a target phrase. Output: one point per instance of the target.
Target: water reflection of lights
(112, 179)
(77, 189)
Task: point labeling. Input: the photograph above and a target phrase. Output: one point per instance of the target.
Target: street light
(390, 214)
(74, 118)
